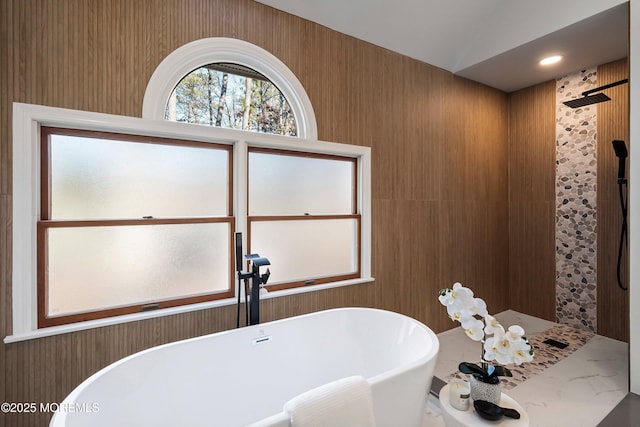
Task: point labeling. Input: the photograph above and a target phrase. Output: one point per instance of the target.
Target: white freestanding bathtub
(244, 376)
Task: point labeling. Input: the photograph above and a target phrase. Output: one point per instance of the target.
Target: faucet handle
(265, 276)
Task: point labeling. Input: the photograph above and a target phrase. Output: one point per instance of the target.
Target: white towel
(346, 402)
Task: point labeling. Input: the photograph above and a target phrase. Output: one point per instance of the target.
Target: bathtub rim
(59, 418)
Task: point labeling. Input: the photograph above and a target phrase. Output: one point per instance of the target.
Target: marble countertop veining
(579, 390)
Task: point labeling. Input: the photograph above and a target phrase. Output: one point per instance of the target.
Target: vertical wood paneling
(532, 147)
(439, 143)
(613, 123)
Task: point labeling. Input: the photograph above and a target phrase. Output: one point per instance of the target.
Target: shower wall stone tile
(576, 204)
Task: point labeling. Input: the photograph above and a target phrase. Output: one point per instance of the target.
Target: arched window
(231, 96)
(277, 102)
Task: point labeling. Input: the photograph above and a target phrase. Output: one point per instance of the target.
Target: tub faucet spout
(257, 280)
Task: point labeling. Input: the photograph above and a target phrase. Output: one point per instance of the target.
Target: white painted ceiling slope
(495, 42)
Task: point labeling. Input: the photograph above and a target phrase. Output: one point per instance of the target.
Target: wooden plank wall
(613, 123)
(532, 200)
(440, 161)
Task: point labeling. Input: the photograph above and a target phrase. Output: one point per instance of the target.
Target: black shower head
(621, 152)
(586, 100)
(620, 148)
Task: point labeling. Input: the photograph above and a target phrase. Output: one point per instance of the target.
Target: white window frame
(27, 120)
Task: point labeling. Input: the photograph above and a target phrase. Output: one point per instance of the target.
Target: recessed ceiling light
(551, 60)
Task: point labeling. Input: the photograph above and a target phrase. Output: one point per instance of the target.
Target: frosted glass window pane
(304, 249)
(93, 268)
(295, 185)
(97, 178)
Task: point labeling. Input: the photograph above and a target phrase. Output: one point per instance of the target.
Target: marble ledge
(579, 390)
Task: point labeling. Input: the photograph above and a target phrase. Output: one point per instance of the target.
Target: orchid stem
(483, 363)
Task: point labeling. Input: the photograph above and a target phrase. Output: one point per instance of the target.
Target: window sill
(92, 324)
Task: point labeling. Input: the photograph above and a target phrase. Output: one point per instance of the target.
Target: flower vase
(481, 390)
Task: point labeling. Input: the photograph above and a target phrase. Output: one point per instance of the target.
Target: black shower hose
(624, 194)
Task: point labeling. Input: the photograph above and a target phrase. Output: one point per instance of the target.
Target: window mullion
(239, 190)
(133, 221)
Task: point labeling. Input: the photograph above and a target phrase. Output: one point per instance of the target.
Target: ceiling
(495, 42)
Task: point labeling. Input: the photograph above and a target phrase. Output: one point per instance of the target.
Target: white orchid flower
(455, 313)
(457, 293)
(460, 311)
(514, 333)
(474, 329)
(492, 344)
(503, 347)
(461, 292)
(503, 359)
(480, 307)
(521, 352)
(464, 307)
(489, 350)
(446, 297)
(492, 325)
